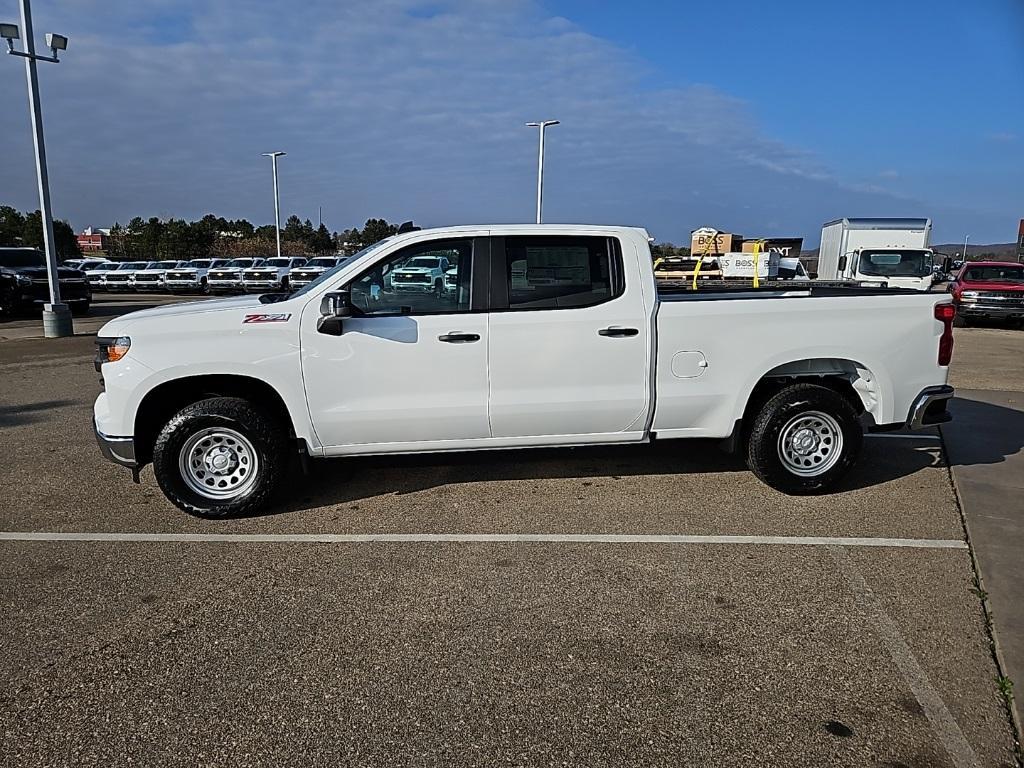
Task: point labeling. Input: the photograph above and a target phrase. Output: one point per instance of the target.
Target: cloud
(400, 108)
(1002, 136)
(889, 173)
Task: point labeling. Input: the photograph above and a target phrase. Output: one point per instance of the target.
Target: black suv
(23, 283)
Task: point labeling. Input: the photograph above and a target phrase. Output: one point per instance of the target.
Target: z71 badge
(279, 318)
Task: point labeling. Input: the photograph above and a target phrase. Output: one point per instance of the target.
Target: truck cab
(892, 267)
(879, 252)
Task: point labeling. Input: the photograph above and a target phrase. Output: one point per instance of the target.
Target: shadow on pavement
(16, 415)
(343, 480)
(982, 433)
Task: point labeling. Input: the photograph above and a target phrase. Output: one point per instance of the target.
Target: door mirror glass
(842, 263)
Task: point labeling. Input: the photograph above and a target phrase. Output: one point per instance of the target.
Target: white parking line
(478, 538)
(942, 721)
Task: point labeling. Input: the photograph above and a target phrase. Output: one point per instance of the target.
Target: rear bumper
(929, 407)
(120, 450)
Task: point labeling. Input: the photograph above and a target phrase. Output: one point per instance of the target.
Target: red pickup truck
(988, 289)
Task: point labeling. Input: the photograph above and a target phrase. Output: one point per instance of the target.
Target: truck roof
(881, 223)
(530, 229)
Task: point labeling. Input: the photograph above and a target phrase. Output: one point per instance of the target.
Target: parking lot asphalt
(528, 652)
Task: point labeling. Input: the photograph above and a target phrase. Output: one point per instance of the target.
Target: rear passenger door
(569, 339)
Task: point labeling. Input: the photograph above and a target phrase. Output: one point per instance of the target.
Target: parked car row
(216, 276)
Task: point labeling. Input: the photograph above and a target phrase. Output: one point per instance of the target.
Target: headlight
(110, 350)
(969, 295)
(24, 280)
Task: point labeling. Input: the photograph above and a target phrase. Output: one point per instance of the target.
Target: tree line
(19, 229)
(210, 236)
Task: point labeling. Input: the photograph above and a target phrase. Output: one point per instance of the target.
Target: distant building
(91, 240)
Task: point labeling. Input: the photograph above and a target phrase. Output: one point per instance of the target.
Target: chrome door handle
(454, 337)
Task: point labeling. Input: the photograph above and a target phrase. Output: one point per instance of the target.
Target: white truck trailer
(892, 253)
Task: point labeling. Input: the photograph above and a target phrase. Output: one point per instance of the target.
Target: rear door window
(561, 272)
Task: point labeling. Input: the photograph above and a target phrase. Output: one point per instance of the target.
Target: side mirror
(842, 263)
(812, 275)
(334, 308)
(947, 264)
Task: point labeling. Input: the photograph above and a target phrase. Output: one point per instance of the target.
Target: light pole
(56, 316)
(540, 163)
(965, 246)
(277, 203)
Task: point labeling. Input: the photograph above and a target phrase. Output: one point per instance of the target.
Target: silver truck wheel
(221, 457)
(810, 444)
(219, 463)
(804, 439)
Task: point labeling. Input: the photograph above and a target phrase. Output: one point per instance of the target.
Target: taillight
(945, 313)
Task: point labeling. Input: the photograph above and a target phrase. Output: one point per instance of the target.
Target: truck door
(569, 339)
(411, 367)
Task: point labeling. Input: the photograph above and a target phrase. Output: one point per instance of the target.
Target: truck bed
(679, 290)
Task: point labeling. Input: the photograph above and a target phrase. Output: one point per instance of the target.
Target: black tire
(764, 440)
(439, 288)
(80, 309)
(204, 287)
(266, 435)
(959, 321)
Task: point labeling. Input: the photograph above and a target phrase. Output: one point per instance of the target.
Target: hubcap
(810, 443)
(219, 463)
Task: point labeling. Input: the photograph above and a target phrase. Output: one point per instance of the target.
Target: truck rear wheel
(220, 457)
(804, 440)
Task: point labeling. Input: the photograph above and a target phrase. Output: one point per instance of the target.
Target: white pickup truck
(554, 335)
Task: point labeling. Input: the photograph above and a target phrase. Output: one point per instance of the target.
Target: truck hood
(194, 308)
(414, 270)
(992, 285)
(917, 283)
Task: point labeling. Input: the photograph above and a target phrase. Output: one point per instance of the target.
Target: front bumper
(120, 450)
(929, 407)
(183, 285)
(226, 285)
(261, 285)
(986, 308)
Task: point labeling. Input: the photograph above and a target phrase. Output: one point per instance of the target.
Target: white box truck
(891, 253)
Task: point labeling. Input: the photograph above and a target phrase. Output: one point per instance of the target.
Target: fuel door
(688, 365)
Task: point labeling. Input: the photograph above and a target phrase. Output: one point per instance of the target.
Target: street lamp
(277, 205)
(965, 246)
(540, 163)
(56, 316)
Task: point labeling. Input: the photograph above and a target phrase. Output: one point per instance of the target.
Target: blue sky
(758, 118)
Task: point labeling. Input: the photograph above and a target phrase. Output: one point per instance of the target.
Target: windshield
(244, 262)
(133, 265)
(322, 262)
(895, 263)
(278, 262)
(993, 273)
(105, 267)
(426, 262)
(329, 274)
(19, 258)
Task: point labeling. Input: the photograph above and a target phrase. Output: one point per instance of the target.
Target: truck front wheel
(804, 440)
(220, 457)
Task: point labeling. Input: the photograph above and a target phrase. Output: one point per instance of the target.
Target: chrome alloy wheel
(810, 443)
(218, 463)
